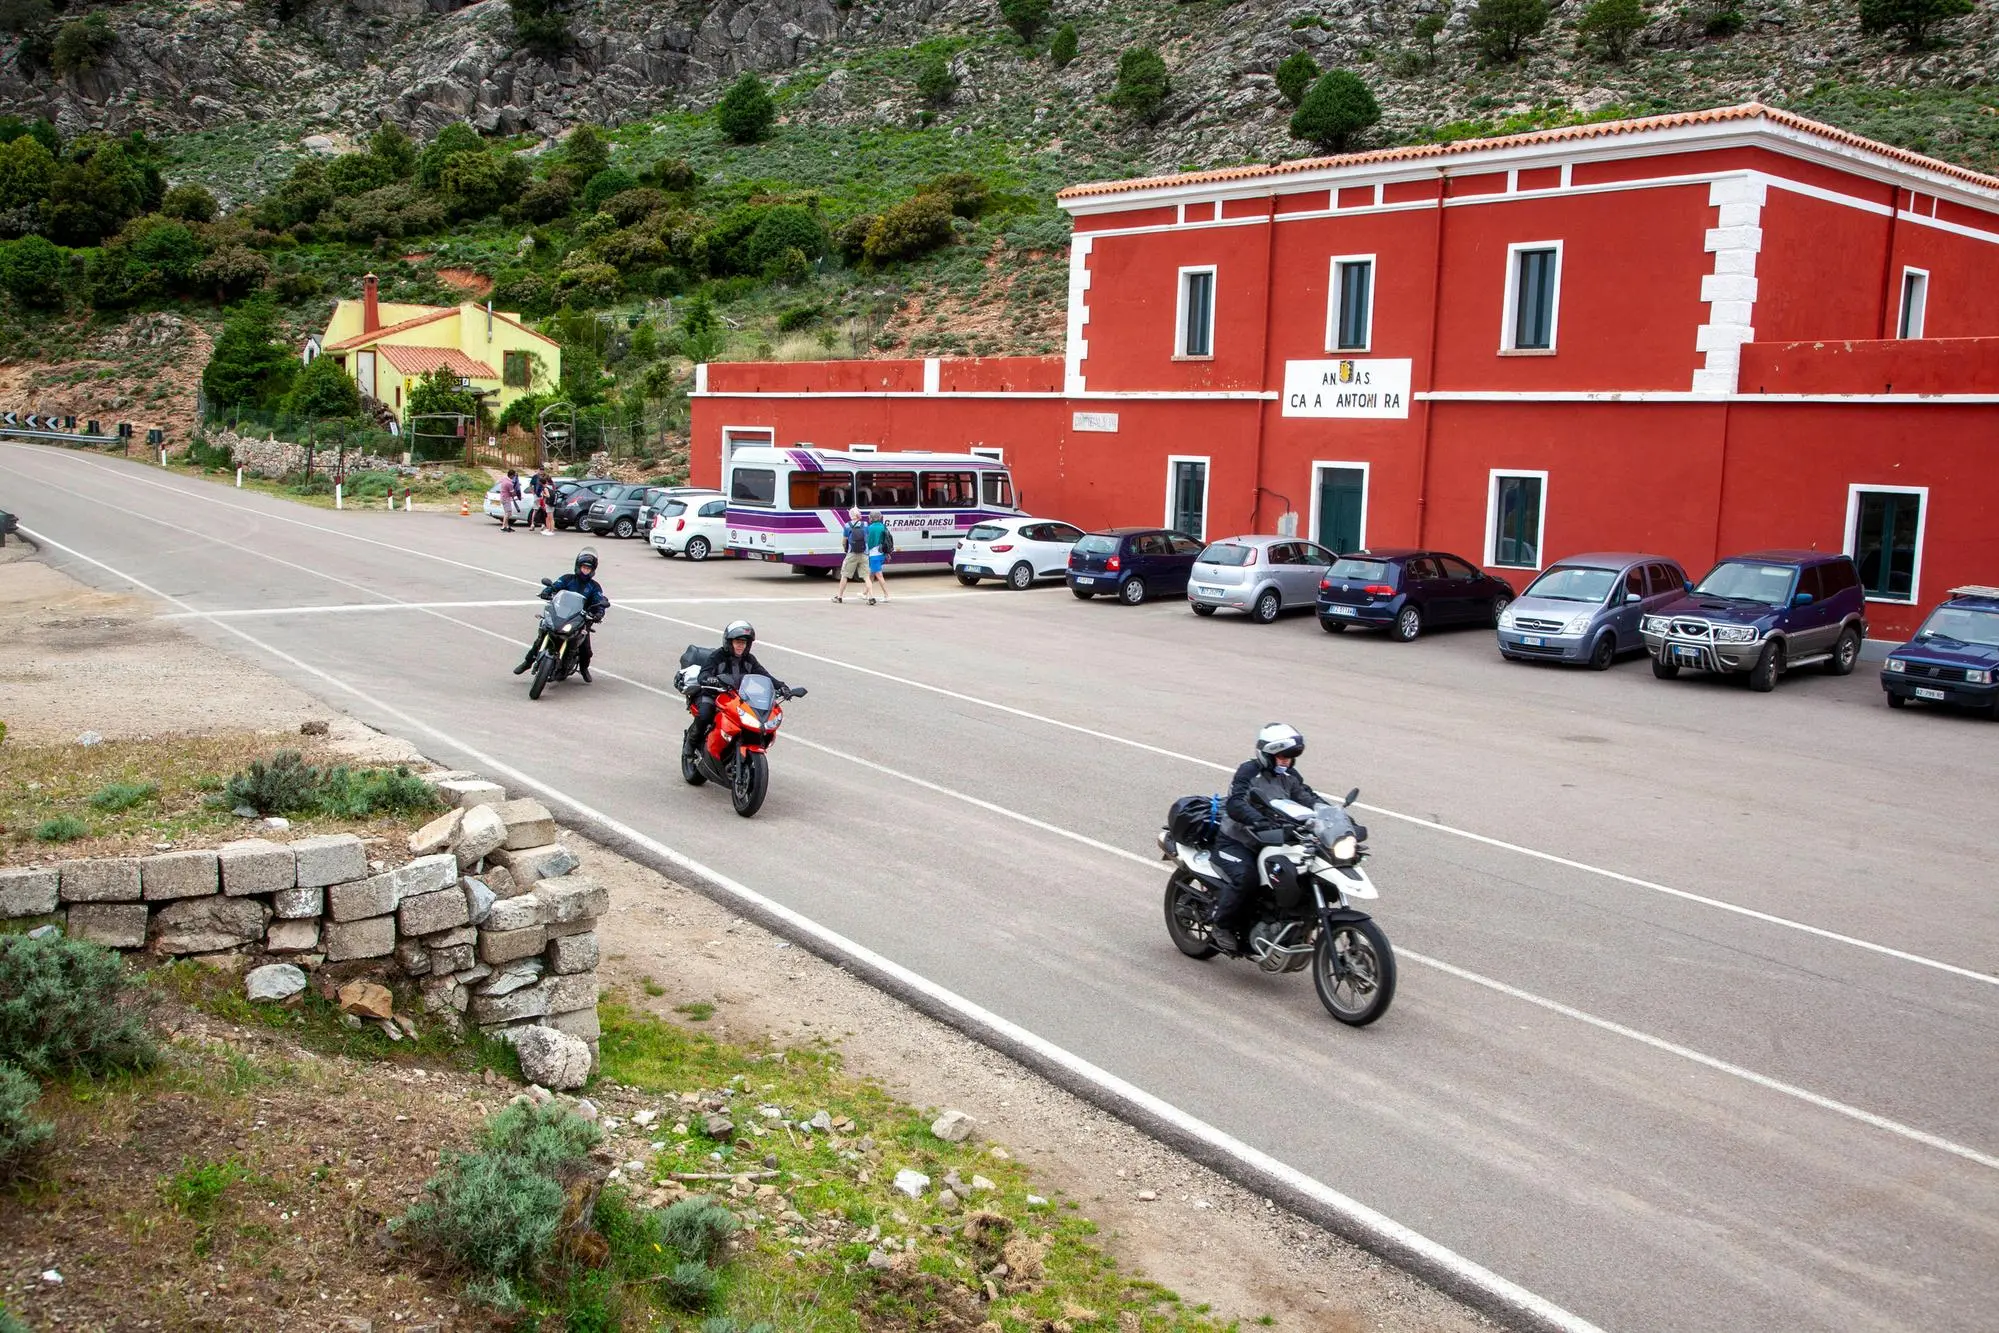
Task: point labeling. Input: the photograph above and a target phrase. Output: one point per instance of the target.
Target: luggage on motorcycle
(694, 655)
(692, 659)
(1194, 820)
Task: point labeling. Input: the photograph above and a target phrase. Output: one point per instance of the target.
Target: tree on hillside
(1142, 84)
(539, 26)
(1025, 17)
(189, 203)
(27, 169)
(587, 149)
(1427, 30)
(1916, 20)
(746, 112)
(32, 270)
(1338, 107)
(1502, 27)
(934, 80)
(323, 391)
(1608, 26)
(449, 142)
(393, 149)
(1296, 74)
(82, 45)
(91, 199)
(249, 367)
(1063, 49)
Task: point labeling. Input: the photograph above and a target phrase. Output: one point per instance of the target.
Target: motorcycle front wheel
(752, 782)
(544, 667)
(1183, 919)
(1354, 972)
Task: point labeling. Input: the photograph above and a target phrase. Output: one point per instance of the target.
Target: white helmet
(740, 629)
(1276, 741)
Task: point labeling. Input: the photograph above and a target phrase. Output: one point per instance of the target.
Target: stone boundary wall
(485, 918)
(272, 457)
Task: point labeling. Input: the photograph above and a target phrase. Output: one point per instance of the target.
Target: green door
(1342, 493)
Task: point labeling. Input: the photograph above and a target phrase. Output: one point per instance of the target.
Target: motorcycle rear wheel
(690, 767)
(1354, 972)
(751, 785)
(544, 667)
(1183, 919)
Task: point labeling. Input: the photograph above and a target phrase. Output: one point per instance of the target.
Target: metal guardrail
(59, 436)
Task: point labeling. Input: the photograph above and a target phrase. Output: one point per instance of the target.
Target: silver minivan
(1588, 608)
(1260, 575)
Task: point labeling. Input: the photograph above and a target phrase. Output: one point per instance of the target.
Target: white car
(690, 524)
(1016, 550)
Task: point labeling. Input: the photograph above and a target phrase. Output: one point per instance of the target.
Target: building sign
(1361, 387)
(1099, 421)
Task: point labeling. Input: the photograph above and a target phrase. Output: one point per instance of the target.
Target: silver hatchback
(1262, 576)
(1588, 608)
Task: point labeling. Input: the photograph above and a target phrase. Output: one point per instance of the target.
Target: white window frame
(1922, 494)
(1366, 485)
(731, 441)
(1512, 301)
(986, 451)
(1492, 517)
(1333, 303)
(1904, 328)
(1207, 488)
(1180, 352)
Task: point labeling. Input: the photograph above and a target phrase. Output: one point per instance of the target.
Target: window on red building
(1352, 324)
(1915, 302)
(1533, 290)
(1196, 320)
(1885, 538)
(1514, 520)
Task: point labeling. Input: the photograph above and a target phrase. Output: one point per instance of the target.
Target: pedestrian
(510, 499)
(854, 562)
(538, 487)
(880, 547)
(550, 493)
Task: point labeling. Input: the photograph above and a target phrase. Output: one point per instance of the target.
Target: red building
(1689, 334)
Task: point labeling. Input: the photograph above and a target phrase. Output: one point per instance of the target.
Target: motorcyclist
(582, 579)
(1270, 776)
(724, 670)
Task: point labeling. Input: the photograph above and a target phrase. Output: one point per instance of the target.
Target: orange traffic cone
(464, 507)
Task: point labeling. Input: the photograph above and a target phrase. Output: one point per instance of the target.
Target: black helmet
(740, 629)
(586, 556)
(1277, 741)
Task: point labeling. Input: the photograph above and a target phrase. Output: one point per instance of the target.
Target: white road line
(1473, 1275)
(339, 608)
(1551, 858)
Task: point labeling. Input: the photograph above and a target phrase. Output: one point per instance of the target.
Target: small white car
(690, 524)
(1015, 550)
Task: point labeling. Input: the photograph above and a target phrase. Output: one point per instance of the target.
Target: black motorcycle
(565, 622)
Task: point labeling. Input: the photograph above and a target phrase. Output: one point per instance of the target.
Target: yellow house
(387, 346)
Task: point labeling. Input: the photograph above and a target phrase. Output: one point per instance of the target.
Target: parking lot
(1696, 1021)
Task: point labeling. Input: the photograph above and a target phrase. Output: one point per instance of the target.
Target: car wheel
(969, 580)
(1021, 577)
(1132, 591)
(1201, 608)
(1499, 605)
(697, 549)
(1769, 666)
(1897, 701)
(1082, 594)
(1266, 608)
(624, 528)
(1333, 626)
(1409, 624)
(1845, 653)
(1665, 670)
(664, 554)
(1603, 652)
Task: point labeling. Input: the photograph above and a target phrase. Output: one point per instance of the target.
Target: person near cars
(542, 486)
(724, 671)
(878, 552)
(854, 563)
(1270, 775)
(581, 579)
(510, 499)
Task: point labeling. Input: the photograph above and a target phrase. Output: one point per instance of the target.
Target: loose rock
(953, 1126)
(273, 981)
(366, 998)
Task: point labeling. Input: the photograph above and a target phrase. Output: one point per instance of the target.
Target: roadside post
(239, 478)
(337, 497)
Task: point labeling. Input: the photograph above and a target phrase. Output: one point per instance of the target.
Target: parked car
(656, 497)
(522, 507)
(1016, 550)
(690, 524)
(572, 505)
(1262, 576)
(1131, 563)
(615, 512)
(1764, 613)
(1587, 608)
(1406, 592)
(1953, 658)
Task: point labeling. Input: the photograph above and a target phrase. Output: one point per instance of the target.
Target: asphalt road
(1698, 1025)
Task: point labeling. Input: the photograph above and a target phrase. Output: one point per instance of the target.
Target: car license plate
(1084, 578)
(1206, 591)
(1690, 656)
(1343, 610)
(1937, 695)
(1533, 641)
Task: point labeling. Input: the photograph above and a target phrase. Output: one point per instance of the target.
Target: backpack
(1194, 820)
(888, 541)
(857, 537)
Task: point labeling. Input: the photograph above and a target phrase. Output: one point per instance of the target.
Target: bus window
(888, 490)
(822, 490)
(753, 486)
(999, 490)
(950, 490)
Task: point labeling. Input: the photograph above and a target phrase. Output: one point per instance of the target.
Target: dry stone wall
(272, 457)
(486, 919)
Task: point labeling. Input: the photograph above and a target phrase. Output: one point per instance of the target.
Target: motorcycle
(745, 727)
(1308, 875)
(564, 622)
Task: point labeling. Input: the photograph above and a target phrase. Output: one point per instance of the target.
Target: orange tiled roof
(1569, 133)
(423, 360)
(363, 339)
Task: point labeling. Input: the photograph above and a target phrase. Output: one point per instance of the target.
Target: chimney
(371, 313)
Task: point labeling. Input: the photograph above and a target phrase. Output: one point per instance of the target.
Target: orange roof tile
(1748, 111)
(423, 360)
(363, 339)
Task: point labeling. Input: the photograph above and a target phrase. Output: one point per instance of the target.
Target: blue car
(1953, 658)
(1763, 614)
(1132, 564)
(1406, 592)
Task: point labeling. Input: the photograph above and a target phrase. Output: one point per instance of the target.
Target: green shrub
(1720, 18)
(189, 203)
(784, 227)
(323, 391)
(934, 80)
(1607, 27)
(670, 174)
(966, 192)
(61, 828)
(912, 227)
(689, 1286)
(62, 1008)
(1063, 49)
(284, 784)
(113, 797)
(32, 272)
(587, 149)
(1502, 27)
(22, 1133)
(209, 457)
(1338, 107)
(1426, 31)
(799, 317)
(609, 182)
(347, 794)
(1295, 75)
(746, 112)
(1142, 84)
(82, 45)
(195, 1189)
(1916, 20)
(539, 26)
(1025, 17)
(695, 1228)
(496, 1209)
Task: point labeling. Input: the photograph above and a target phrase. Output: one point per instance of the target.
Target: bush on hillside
(1025, 17)
(934, 80)
(82, 45)
(27, 170)
(1502, 27)
(1142, 84)
(235, 271)
(966, 192)
(546, 200)
(63, 1009)
(539, 26)
(1915, 20)
(476, 185)
(496, 1209)
(22, 1132)
(1338, 107)
(447, 143)
(356, 173)
(1607, 27)
(746, 112)
(189, 203)
(287, 785)
(1426, 32)
(392, 147)
(913, 227)
(32, 272)
(587, 150)
(1063, 49)
(1296, 74)
(784, 227)
(670, 174)
(605, 184)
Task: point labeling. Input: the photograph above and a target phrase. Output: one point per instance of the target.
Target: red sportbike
(732, 753)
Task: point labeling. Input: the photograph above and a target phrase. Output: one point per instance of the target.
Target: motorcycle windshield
(567, 604)
(1330, 823)
(758, 693)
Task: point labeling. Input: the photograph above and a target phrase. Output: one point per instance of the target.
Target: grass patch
(699, 1011)
(117, 797)
(651, 987)
(195, 1189)
(62, 828)
(286, 784)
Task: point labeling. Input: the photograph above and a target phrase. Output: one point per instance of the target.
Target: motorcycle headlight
(1978, 677)
(1344, 849)
(1896, 665)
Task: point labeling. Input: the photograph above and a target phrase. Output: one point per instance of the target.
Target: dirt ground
(73, 659)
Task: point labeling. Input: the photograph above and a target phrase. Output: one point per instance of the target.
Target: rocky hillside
(337, 67)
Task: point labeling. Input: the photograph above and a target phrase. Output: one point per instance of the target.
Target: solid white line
(1467, 1271)
(1551, 858)
(339, 608)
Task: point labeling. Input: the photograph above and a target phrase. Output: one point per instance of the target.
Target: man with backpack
(853, 564)
(881, 545)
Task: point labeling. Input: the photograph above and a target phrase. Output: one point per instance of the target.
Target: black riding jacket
(594, 600)
(725, 670)
(1242, 814)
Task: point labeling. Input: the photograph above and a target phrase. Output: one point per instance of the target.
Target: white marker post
(239, 478)
(337, 497)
